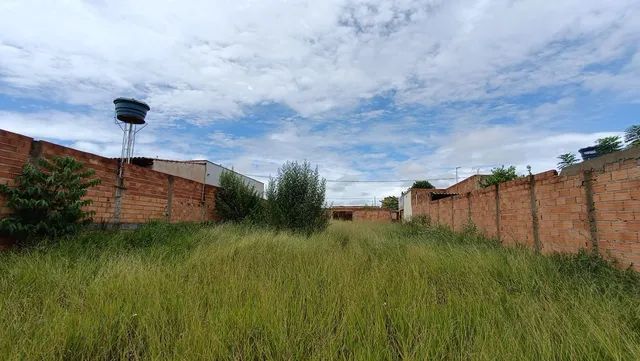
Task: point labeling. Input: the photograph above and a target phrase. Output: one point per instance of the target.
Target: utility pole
(457, 173)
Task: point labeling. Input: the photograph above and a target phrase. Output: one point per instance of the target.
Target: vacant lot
(356, 291)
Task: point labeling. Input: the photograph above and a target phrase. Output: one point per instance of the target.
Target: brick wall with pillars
(594, 205)
(141, 196)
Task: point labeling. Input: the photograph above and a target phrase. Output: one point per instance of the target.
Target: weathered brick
(146, 194)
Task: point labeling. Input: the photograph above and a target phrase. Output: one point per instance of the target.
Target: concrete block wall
(593, 206)
(141, 196)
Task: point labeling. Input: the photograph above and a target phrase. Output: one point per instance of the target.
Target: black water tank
(130, 110)
(589, 152)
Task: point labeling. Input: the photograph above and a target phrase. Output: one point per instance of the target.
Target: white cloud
(204, 59)
(58, 125)
(198, 62)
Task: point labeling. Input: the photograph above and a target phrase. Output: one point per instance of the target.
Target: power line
(367, 180)
(350, 198)
(383, 181)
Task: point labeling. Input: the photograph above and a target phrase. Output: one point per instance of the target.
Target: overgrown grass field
(355, 291)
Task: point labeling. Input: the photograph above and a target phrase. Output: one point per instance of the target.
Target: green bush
(295, 199)
(499, 175)
(390, 202)
(236, 200)
(48, 199)
(420, 220)
(423, 184)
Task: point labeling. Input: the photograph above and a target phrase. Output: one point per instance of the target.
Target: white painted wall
(215, 170)
(200, 171)
(406, 206)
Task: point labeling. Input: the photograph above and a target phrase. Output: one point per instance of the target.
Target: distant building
(202, 171)
(415, 200)
(362, 213)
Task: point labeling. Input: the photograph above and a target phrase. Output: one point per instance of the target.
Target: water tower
(130, 114)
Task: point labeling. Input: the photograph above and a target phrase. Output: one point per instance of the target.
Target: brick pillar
(170, 179)
(119, 193)
(469, 220)
(591, 209)
(36, 151)
(498, 212)
(534, 214)
(453, 218)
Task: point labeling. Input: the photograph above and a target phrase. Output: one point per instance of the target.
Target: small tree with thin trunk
(566, 160)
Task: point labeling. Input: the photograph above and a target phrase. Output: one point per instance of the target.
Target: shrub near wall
(237, 201)
(295, 199)
(48, 199)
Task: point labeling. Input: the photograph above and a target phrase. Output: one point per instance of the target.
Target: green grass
(356, 291)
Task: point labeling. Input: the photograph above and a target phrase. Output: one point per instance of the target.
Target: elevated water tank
(131, 111)
(589, 152)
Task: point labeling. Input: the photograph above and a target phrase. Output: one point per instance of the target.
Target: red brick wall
(554, 209)
(516, 222)
(421, 201)
(468, 185)
(106, 169)
(374, 214)
(616, 194)
(562, 213)
(445, 212)
(483, 211)
(378, 215)
(187, 200)
(14, 152)
(145, 194)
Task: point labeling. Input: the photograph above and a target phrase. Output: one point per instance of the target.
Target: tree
(499, 175)
(48, 199)
(632, 135)
(566, 160)
(236, 200)
(296, 199)
(608, 145)
(424, 184)
(390, 202)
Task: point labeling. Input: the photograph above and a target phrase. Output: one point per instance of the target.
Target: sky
(364, 90)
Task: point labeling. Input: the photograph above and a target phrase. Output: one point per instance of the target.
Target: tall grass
(355, 291)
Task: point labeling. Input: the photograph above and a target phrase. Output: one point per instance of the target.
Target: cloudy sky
(366, 90)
